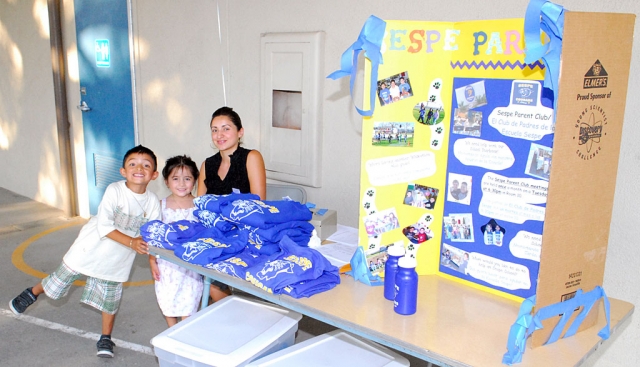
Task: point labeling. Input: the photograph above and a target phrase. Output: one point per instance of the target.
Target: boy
(385, 96)
(106, 246)
(404, 88)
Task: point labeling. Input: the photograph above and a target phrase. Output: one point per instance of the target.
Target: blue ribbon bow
(543, 15)
(360, 271)
(369, 41)
(526, 323)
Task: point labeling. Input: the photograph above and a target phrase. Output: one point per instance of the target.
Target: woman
(232, 169)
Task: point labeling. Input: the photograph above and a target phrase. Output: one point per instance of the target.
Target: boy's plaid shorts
(101, 294)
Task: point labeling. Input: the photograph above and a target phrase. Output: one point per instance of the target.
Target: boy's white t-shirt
(95, 255)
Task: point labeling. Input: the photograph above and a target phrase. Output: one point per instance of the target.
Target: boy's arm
(137, 244)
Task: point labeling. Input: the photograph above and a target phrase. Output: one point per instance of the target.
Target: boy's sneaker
(25, 299)
(105, 347)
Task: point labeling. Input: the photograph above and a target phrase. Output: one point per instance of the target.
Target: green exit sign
(103, 56)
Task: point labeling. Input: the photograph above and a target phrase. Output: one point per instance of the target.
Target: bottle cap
(407, 262)
(395, 250)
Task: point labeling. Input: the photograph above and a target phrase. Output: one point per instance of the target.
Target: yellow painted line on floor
(17, 258)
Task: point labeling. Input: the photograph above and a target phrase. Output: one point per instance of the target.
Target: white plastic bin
(231, 332)
(337, 348)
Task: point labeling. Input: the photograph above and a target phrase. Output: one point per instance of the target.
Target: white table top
(455, 325)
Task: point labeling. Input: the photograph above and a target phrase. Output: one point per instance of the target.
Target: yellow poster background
(430, 55)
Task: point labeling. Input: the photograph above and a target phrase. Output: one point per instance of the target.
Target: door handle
(84, 107)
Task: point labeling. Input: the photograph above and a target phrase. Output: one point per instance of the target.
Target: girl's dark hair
(230, 113)
(180, 161)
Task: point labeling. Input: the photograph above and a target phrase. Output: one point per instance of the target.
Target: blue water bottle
(395, 252)
(406, 300)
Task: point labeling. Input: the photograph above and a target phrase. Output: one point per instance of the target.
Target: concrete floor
(33, 239)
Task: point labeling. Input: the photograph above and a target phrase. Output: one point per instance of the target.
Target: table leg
(205, 293)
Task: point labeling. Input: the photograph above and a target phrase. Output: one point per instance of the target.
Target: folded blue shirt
(167, 235)
(238, 264)
(155, 232)
(264, 214)
(268, 248)
(210, 219)
(299, 231)
(183, 230)
(211, 246)
(212, 202)
(308, 288)
(292, 265)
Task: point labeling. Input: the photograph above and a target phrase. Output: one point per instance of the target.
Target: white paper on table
(344, 244)
(346, 235)
(338, 254)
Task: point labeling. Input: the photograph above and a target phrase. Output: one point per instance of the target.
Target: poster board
(459, 105)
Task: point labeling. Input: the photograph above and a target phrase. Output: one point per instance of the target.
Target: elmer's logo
(590, 130)
(596, 77)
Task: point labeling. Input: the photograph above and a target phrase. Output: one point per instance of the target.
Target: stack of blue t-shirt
(264, 242)
(266, 222)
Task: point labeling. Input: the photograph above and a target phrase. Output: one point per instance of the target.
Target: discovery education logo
(596, 77)
(590, 129)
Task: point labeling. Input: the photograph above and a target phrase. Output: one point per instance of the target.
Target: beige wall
(180, 60)
(28, 138)
(179, 76)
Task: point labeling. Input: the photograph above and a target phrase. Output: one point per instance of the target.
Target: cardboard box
(595, 61)
(336, 348)
(325, 222)
(231, 332)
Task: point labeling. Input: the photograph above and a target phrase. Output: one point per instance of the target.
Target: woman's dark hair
(180, 161)
(230, 113)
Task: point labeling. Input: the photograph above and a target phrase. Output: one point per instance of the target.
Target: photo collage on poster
(403, 165)
(500, 154)
(459, 153)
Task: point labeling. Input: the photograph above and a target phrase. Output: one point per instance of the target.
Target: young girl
(178, 289)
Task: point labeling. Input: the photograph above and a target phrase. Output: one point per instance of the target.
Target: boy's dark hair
(230, 113)
(180, 161)
(141, 150)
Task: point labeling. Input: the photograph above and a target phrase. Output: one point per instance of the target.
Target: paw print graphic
(439, 130)
(428, 218)
(434, 143)
(432, 98)
(411, 247)
(436, 85)
(370, 193)
(371, 246)
(367, 205)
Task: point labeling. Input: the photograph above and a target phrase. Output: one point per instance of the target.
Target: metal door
(106, 90)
